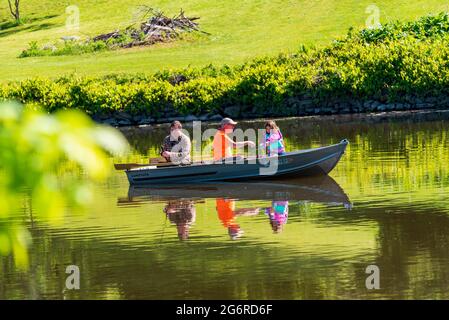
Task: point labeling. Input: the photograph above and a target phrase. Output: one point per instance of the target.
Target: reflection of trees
(405, 247)
(228, 272)
(413, 255)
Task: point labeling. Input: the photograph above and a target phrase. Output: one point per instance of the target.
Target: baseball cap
(226, 121)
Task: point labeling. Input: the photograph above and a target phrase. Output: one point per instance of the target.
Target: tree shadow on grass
(33, 28)
(10, 27)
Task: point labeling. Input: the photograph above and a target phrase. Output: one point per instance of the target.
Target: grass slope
(241, 29)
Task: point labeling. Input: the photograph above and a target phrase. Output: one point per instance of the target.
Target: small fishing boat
(310, 162)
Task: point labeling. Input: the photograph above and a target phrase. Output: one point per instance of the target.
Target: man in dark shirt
(176, 146)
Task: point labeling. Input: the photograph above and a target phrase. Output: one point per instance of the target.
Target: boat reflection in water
(181, 199)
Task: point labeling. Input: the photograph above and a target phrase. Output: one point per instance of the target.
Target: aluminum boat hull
(311, 162)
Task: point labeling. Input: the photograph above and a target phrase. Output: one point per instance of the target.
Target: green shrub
(32, 51)
(62, 48)
(430, 26)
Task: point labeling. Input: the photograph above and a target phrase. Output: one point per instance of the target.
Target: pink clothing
(274, 143)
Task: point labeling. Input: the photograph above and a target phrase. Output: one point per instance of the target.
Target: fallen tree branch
(156, 28)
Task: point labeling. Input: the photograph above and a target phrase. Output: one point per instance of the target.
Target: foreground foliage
(35, 148)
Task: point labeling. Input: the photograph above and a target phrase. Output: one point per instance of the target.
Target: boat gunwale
(291, 153)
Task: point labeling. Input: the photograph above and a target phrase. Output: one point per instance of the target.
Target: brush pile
(156, 28)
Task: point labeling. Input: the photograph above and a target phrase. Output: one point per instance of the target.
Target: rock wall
(296, 107)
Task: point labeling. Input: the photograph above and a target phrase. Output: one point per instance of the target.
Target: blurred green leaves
(34, 151)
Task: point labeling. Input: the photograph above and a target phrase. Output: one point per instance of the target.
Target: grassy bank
(404, 63)
(240, 30)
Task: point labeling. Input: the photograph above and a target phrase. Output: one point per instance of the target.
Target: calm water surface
(386, 203)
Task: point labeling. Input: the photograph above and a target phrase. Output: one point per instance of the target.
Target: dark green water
(386, 204)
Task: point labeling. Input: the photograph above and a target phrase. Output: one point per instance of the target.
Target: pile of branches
(156, 28)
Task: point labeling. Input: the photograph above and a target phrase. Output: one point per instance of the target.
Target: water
(385, 204)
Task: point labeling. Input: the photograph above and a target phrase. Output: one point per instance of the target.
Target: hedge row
(397, 65)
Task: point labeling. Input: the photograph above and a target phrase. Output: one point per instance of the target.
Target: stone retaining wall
(303, 107)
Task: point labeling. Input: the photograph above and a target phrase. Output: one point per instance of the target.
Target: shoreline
(370, 117)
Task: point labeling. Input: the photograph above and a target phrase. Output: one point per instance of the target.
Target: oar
(159, 162)
(154, 162)
(129, 166)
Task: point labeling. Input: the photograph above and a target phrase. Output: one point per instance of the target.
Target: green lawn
(240, 29)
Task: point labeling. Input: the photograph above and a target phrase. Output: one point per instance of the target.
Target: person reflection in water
(182, 213)
(227, 214)
(278, 215)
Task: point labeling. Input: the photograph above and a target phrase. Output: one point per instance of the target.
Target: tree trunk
(15, 9)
